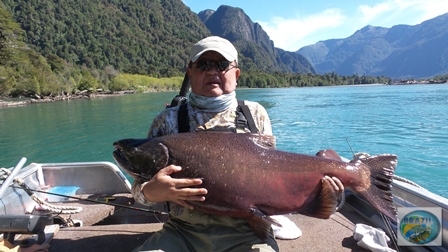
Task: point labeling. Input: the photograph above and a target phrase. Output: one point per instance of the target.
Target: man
(212, 105)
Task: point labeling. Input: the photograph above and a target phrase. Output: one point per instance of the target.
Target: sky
(293, 24)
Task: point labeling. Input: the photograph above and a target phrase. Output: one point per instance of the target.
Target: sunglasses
(204, 65)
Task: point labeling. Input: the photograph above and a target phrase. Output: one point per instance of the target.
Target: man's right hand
(162, 187)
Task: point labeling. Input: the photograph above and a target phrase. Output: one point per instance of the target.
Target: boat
(87, 206)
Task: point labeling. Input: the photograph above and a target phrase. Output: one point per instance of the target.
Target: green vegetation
(266, 80)
(142, 83)
(50, 49)
(138, 37)
(25, 72)
(441, 78)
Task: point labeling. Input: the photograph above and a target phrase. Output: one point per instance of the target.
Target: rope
(54, 208)
(42, 203)
(396, 177)
(45, 205)
(5, 173)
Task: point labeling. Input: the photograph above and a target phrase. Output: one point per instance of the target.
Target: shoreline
(17, 102)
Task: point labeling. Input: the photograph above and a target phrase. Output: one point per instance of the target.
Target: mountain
(143, 37)
(256, 49)
(153, 38)
(402, 51)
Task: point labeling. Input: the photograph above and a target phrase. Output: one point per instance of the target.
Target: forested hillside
(65, 47)
(71, 46)
(21, 68)
(145, 37)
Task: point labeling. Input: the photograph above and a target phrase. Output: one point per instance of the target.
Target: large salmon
(246, 177)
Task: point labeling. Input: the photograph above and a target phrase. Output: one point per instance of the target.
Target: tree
(10, 36)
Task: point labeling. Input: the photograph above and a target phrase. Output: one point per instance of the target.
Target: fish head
(140, 158)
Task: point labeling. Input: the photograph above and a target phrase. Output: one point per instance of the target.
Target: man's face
(209, 80)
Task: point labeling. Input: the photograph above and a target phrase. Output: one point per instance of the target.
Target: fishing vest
(243, 119)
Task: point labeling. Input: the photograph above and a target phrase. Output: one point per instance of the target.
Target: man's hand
(336, 184)
(162, 187)
(338, 189)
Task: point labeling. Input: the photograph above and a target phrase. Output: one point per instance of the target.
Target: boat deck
(107, 228)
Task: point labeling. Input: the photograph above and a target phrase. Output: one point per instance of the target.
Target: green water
(77, 130)
(409, 121)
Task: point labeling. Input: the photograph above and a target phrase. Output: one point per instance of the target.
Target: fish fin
(264, 141)
(325, 205)
(379, 194)
(261, 223)
(329, 154)
(257, 212)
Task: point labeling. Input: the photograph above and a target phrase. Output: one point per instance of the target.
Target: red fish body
(246, 177)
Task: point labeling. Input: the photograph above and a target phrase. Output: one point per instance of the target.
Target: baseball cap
(214, 43)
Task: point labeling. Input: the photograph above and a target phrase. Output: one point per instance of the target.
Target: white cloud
(369, 13)
(430, 9)
(393, 12)
(288, 34)
(293, 33)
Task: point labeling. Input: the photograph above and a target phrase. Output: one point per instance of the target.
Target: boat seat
(10, 225)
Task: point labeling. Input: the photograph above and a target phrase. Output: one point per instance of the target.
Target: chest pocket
(244, 118)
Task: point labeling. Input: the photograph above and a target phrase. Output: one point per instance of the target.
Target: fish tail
(379, 193)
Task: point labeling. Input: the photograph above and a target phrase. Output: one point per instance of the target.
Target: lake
(410, 121)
